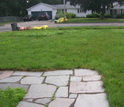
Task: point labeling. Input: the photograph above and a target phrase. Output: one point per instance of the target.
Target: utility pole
(64, 10)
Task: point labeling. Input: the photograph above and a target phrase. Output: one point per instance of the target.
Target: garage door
(35, 14)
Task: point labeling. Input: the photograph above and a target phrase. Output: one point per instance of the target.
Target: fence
(10, 19)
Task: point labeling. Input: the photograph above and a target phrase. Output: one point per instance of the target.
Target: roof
(118, 6)
(67, 6)
(60, 6)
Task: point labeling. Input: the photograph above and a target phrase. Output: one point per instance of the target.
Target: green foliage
(18, 7)
(11, 97)
(119, 16)
(70, 15)
(94, 15)
(59, 14)
(108, 16)
(98, 6)
(52, 1)
(90, 16)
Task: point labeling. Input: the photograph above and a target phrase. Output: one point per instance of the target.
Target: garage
(35, 14)
(42, 7)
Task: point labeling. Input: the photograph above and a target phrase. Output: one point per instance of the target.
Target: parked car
(28, 18)
(43, 16)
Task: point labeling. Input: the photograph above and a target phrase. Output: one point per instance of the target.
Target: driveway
(7, 27)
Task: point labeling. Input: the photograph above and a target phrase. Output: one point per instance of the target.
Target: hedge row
(96, 15)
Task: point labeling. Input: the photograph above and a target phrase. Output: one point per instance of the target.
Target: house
(117, 9)
(52, 9)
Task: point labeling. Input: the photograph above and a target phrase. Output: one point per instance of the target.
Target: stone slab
(5, 74)
(32, 80)
(75, 79)
(92, 78)
(5, 86)
(86, 87)
(58, 72)
(1, 72)
(43, 101)
(40, 91)
(73, 96)
(22, 73)
(57, 80)
(85, 72)
(61, 102)
(93, 100)
(62, 92)
(11, 79)
(27, 104)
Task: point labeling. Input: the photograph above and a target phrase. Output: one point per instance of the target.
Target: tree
(98, 6)
(18, 7)
(52, 1)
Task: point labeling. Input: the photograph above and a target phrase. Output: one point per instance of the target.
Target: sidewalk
(60, 88)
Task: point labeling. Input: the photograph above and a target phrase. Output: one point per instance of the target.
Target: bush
(70, 15)
(59, 14)
(94, 15)
(119, 16)
(107, 16)
(90, 16)
(122, 14)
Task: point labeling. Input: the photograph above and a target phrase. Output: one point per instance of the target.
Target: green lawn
(94, 20)
(2, 24)
(97, 48)
(11, 97)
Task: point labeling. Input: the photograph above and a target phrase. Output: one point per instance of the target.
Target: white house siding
(29, 12)
(54, 14)
(82, 14)
(72, 11)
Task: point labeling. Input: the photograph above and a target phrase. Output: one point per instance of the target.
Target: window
(78, 10)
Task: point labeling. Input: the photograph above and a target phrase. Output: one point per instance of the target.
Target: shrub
(59, 14)
(70, 15)
(107, 16)
(96, 15)
(90, 16)
(73, 15)
(119, 16)
(122, 14)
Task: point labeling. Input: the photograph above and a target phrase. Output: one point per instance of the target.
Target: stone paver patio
(60, 88)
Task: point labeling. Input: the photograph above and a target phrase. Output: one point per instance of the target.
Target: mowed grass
(94, 20)
(11, 97)
(97, 48)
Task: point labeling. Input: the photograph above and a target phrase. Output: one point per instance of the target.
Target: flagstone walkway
(60, 88)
